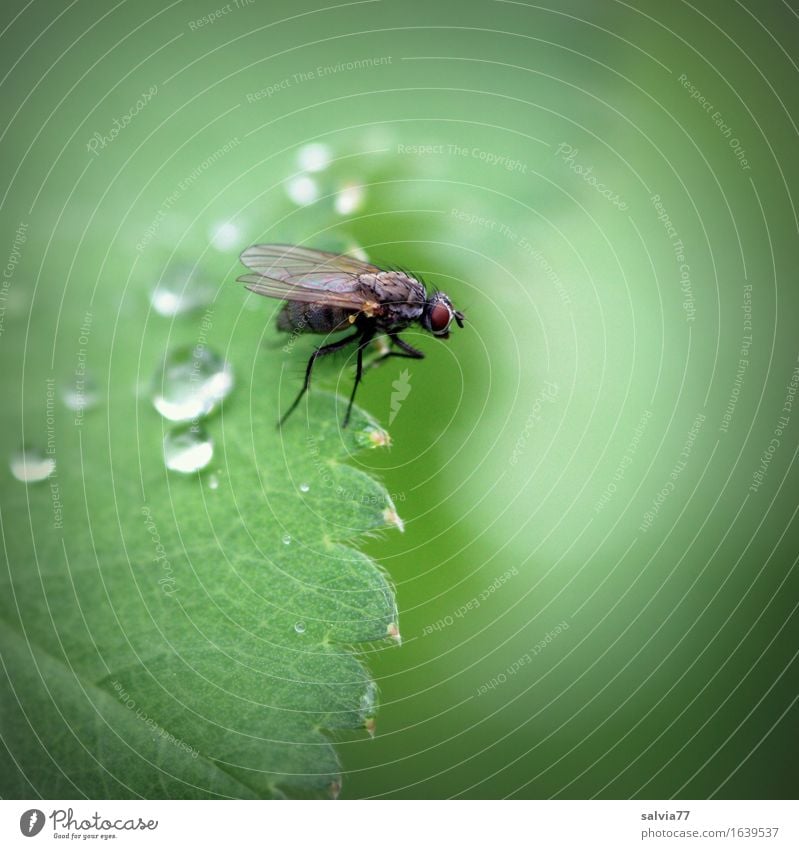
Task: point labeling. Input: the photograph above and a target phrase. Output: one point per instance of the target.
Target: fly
(330, 293)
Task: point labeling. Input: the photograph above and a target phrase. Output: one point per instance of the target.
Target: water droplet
(314, 157)
(349, 199)
(225, 236)
(30, 465)
(187, 449)
(287, 539)
(180, 291)
(304, 487)
(302, 190)
(80, 393)
(299, 627)
(213, 482)
(191, 382)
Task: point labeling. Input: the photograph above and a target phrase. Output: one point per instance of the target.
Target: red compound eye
(440, 317)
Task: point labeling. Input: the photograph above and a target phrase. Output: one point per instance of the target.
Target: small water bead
(302, 190)
(187, 449)
(287, 539)
(299, 627)
(314, 157)
(192, 381)
(304, 487)
(30, 465)
(213, 482)
(181, 292)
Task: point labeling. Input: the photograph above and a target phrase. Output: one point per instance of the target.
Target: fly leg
(319, 352)
(406, 350)
(366, 338)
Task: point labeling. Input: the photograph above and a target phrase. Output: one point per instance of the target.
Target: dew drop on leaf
(213, 482)
(299, 627)
(30, 465)
(304, 487)
(287, 539)
(190, 383)
(187, 449)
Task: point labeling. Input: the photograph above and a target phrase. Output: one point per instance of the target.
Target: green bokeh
(533, 444)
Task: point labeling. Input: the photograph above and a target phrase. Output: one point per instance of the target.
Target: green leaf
(185, 635)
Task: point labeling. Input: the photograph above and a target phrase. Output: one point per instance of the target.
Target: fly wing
(292, 264)
(310, 293)
(291, 273)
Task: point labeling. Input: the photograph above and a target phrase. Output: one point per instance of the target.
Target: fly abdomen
(298, 317)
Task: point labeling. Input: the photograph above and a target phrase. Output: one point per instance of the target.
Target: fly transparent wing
(311, 293)
(292, 264)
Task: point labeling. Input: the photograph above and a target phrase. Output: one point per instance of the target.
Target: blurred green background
(597, 584)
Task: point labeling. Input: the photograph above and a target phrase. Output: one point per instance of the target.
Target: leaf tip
(391, 517)
(393, 631)
(376, 437)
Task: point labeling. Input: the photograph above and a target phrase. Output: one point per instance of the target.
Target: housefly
(330, 293)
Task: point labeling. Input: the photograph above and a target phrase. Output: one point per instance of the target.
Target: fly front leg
(407, 351)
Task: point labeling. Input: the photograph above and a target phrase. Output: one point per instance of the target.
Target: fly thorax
(401, 297)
